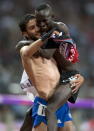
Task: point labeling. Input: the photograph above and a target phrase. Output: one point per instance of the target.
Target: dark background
(79, 17)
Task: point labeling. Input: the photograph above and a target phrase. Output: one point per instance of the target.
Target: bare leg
(60, 97)
(27, 124)
(41, 127)
(52, 121)
(68, 126)
(57, 100)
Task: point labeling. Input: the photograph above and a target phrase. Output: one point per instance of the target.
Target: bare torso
(45, 75)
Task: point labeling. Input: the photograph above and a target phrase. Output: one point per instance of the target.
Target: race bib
(41, 109)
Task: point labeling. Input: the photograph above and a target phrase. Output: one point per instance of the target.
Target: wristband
(47, 35)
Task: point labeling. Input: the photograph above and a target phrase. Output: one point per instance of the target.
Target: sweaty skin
(43, 72)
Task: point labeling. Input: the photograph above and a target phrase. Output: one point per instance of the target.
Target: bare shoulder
(21, 44)
(23, 50)
(61, 23)
(63, 27)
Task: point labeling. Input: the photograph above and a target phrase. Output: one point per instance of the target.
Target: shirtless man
(37, 70)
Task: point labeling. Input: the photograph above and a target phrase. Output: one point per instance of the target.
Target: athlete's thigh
(61, 129)
(68, 126)
(40, 127)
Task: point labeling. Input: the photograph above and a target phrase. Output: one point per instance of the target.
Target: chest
(45, 65)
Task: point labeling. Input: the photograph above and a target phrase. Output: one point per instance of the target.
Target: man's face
(32, 30)
(44, 20)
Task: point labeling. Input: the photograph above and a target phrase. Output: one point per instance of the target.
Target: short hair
(43, 7)
(25, 20)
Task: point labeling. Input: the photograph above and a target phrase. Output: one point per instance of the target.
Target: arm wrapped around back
(65, 76)
(22, 43)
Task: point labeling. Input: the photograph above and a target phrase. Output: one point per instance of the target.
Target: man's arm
(26, 52)
(29, 50)
(32, 47)
(63, 27)
(77, 83)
